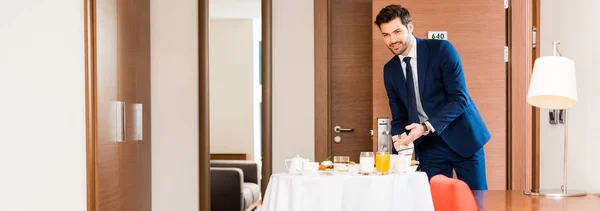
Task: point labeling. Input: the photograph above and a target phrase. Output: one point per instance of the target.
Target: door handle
(138, 119)
(120, 121)
(339, 129)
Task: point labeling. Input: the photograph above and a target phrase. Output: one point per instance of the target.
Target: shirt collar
(413, 51)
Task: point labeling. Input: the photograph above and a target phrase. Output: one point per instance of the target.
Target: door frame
(322, 79)
(536, 111)
(520, 128)
(204, 110)
(520, 124)
(203, 88)
(91, 114)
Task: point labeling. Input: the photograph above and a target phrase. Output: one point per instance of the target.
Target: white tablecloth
(287, 192)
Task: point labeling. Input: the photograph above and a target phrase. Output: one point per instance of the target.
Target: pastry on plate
(326, 165)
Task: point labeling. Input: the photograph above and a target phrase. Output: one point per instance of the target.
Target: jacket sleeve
(399, 115)
(455, 86)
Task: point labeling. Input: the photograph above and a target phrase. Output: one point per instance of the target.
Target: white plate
(410, 170)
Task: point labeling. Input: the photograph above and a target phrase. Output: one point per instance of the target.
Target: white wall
(574, 25)
(293, 81)
(238, 9)
(257, 35)
(174, 40)
(232, 61)
(42, 114)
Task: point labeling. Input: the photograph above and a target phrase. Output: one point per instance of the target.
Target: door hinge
(505, 4)
(534, 41)
(505, 53)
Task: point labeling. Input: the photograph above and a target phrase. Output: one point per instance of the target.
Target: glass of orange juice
(382, 162)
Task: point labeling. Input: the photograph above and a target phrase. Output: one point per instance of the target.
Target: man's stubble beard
(405, 46)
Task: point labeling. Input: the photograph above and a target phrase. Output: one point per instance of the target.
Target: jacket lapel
(399, 78)
(422, 52)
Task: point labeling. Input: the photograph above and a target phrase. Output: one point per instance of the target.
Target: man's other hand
(416, 131)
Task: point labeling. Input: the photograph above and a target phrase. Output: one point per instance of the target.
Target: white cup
(403, 163)
(353, 169)
(367, 162)
(395, 164)
(311, 166)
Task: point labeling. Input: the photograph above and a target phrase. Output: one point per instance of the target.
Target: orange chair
(451, 194)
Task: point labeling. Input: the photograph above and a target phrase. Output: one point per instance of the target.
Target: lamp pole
(563, 187)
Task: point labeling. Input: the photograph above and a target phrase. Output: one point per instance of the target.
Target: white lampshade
(553, 83)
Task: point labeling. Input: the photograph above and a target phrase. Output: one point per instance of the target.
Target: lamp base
(555, 193)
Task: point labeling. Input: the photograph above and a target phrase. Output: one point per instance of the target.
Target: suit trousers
(436, 157)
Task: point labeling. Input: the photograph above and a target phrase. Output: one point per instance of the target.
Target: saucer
(409, 170)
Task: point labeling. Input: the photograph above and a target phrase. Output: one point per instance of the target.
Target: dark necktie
(411, 101)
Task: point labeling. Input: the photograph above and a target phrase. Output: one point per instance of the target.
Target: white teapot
(294, 165)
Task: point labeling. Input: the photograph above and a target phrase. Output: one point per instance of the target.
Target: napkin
(400, 148)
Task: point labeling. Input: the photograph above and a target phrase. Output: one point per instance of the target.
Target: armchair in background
(234, 185)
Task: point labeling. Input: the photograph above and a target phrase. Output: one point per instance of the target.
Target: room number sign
(438, 35)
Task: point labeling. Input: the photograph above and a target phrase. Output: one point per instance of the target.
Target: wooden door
(122, 78)
(134, 90)
(351, 76)
(107, 181)
(477, 30)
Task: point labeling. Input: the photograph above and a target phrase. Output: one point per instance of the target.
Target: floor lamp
(553, 86)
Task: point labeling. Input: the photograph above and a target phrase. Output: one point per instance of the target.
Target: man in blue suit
(428, 98)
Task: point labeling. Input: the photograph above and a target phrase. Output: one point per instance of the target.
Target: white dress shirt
(413, 63)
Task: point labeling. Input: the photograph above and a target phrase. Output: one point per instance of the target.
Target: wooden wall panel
(381, 55)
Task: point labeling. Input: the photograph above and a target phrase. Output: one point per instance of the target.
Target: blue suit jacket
(444, 97)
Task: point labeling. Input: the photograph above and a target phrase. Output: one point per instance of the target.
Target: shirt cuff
(430, 126)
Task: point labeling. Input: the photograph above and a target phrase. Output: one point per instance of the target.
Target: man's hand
(397, 140)
(416, 131)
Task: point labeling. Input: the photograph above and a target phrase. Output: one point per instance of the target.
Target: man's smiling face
(397, 37)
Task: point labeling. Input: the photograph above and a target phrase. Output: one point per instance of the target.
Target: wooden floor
(516, 200)
(498, 200)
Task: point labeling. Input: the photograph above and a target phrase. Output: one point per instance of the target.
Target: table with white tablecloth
(292, 192)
